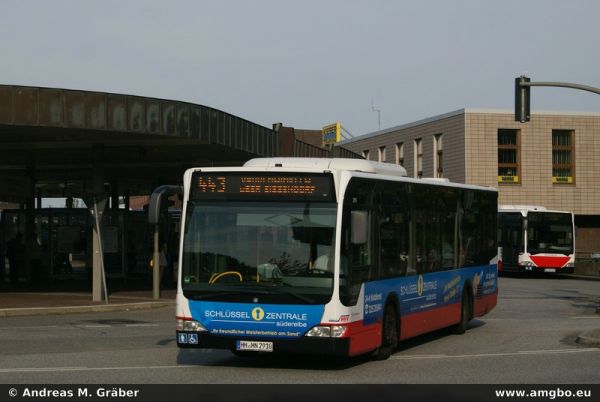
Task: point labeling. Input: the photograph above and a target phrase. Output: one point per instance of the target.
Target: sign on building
(332, 133)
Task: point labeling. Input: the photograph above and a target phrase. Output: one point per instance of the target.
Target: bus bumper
(304, 345)
(563, 270)
(534, 269)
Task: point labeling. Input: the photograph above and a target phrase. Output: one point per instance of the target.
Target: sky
(310, 63)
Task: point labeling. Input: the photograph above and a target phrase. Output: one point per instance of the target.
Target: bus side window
(393, 246)
(393, 229)
(360, 254)
(360, 259)
(477, 241)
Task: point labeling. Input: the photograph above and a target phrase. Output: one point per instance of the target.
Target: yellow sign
(420, 285)
(562, 179)
(508, 179)
(332, 133)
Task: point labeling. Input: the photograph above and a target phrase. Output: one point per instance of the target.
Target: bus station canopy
(55, 141)
(99, 146)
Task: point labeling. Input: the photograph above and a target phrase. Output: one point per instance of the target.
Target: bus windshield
(549, 232)
(267, 252)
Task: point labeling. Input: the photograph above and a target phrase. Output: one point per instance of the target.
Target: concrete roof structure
(57, 137)
(99, 146)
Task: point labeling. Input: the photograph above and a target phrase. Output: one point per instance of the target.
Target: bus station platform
(28, 303)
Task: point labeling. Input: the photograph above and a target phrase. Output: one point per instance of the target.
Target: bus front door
(512, 241)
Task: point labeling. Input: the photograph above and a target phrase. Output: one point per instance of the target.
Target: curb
(19, 312)
(590, 338)
(581, 277)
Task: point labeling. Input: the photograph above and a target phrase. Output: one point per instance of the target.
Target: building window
(563, 156)
(419, 158)
(400, 154)
(381, 154)
(438, 165)
(365, 154)
(508, 155)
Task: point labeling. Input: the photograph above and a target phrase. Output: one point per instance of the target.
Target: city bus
(534, 239)
(330, 256)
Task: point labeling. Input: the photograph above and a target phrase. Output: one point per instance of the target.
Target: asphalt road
(528, 338)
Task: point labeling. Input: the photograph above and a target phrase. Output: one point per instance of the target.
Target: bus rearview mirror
(359, 227)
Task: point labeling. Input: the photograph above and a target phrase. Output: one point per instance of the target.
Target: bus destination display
(236, 186)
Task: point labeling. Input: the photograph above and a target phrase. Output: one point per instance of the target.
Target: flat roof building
(553, 160)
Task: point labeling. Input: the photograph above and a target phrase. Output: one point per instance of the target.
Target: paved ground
(69, 300)
(590, 338)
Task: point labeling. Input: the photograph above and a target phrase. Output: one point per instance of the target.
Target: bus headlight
(570, 265)
(319, 332)
(190, 325)
(337, 331)
(327, 331)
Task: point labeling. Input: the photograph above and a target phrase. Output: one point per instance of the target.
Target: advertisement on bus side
(420, 293)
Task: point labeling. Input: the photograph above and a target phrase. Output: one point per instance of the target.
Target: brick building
(553, 160)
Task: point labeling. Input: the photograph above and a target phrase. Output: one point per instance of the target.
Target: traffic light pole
(561, 84)
(522, 98)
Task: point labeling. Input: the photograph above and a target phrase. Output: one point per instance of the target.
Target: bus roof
(359, 165)
(359, 168)
(524, 209)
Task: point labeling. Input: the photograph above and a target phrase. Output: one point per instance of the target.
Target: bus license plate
(549, 270)
(255, 346)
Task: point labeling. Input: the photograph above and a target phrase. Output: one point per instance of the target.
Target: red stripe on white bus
(550, 261)
(484, 304)
(365, 338)
(425, 321)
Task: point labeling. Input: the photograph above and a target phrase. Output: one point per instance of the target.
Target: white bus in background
(533, 238)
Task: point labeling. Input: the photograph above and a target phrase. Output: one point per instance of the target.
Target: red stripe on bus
(550, 261)
(426, 321)
(365, 338)
(484, 304)
(441, 317)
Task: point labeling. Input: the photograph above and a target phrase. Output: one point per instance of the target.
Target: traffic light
(522, 99)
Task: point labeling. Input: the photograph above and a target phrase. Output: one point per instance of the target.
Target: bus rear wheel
(389, 334)
(466, 312)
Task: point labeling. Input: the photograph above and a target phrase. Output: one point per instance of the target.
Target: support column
(156, 264)
(39, 199)
(29, 222)
(100, 199)
(30, 204)
(114, 196)
(127, 200)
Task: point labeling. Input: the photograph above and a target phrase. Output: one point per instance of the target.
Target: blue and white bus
(330, 256)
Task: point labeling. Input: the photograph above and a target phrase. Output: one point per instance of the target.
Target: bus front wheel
(389, 334)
